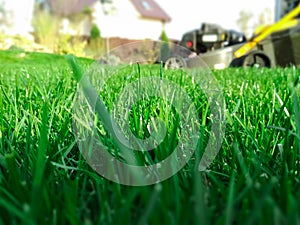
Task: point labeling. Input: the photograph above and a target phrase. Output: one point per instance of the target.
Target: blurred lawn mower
(273, 45)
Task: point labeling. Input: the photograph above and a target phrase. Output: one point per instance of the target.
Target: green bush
(164, 48)
(95, 47)
(95, 32)
(17, 42)
(164, 36)
(70, 45)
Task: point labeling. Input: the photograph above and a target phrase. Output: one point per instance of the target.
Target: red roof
(68, 7)
(147, 8)
(150, 9)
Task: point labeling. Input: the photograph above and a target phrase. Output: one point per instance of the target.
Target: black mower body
(216, 47)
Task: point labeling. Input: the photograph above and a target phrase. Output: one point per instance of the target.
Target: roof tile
(68, 7)
(150, 9)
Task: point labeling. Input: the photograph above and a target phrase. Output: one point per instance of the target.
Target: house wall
(20, 16)
(122, 20)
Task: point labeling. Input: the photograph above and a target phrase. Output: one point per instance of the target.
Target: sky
(189, 14)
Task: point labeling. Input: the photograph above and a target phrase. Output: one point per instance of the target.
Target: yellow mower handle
(286, 22)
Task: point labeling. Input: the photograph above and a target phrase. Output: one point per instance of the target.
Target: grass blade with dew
(103, 113)
(100, 108)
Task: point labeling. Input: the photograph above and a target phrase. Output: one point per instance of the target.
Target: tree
(164, 36)
(4, 15)
(244, 20)
(95, 32)
(46, 27)
(164, 46)
(265, 17)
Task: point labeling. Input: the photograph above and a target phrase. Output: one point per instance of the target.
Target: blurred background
(92, 27)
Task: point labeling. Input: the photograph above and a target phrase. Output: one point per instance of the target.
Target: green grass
(45, 180)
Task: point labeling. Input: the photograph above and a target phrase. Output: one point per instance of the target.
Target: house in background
(127, 19)
(119, 21)
(131, 19)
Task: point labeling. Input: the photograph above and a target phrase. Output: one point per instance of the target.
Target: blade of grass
(295, 102)
(11, 208)
(151, 205)
(101, 110)
(230, 201)
(39, 166)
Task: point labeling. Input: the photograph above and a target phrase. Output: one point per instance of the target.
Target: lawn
(44, 178)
